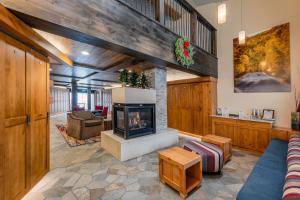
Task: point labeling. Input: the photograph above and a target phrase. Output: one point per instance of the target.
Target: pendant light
(222, 13)
(242, 33)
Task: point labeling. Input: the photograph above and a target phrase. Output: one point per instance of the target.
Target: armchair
(84, 125)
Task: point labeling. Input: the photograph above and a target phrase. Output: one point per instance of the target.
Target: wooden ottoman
(224, 143)
(180, 169)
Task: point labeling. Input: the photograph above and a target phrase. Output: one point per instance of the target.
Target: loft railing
(181, 18)
(146, 7)
(177, 17)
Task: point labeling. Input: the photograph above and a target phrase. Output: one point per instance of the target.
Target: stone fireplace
(140, 112)
(134, 120)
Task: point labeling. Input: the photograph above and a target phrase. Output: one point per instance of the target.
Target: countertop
(245, 119)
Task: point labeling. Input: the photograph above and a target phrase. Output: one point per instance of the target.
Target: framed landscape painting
(262, 64)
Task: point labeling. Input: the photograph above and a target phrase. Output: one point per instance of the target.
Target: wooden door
(13, 119)
(224, 129)
(262, 138)
(246, 137)
(37, 90)
(209, 105)
(197, 99)
(172, 107)
(185, 107)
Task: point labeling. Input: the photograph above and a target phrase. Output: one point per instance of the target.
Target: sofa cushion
(261, 183)
(90, 123)
(291, 190)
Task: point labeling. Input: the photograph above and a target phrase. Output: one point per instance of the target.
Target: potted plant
(124, 77)
(134, 79)
(143, 82)
(296, 115)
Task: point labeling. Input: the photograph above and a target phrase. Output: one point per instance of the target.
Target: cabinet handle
(28, 119)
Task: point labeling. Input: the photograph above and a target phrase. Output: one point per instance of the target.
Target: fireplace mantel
(127, 95)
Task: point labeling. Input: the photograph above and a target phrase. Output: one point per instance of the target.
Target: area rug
(73, 142)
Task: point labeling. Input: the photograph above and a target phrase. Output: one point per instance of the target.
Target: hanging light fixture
(222, 13)
(242, 33)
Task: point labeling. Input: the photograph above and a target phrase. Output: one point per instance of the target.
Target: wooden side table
(180, 169)
(224, 143)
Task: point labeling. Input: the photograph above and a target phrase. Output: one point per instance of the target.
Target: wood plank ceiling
(97, 69)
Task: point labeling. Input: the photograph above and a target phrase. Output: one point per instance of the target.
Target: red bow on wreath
(186, 44)
(184, 52)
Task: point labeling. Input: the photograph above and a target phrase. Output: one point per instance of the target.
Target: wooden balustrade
(146, 7)
(181, 18)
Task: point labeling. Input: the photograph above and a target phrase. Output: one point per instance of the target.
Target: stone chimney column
(158, 81)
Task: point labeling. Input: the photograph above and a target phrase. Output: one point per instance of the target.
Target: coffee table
(224, 143)
(180, 169)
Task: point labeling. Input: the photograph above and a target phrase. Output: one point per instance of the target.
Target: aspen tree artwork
(262, 64)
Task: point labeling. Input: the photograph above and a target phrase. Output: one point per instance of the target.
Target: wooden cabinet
(24, 146)
(224, 128)
(190, 104)
(245, 134)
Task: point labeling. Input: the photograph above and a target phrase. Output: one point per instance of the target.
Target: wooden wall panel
(14, 119)
(38, 156)
(15, 161)
(37, 94)
(15, 82)
(191, 103)
(2, 101)
(197, 91)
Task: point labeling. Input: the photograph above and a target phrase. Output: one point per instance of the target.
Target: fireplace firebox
(133, 120)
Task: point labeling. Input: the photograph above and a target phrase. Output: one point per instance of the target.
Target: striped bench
(212, 156)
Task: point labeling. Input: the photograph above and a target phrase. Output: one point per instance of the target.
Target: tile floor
(88, 172)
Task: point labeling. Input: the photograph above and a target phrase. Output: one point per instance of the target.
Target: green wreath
(184, 52)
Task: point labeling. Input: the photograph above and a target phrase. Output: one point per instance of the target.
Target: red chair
(99, 108)
(104, 112)
(77, 108)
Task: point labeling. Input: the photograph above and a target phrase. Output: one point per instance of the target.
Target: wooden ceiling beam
(21, 31)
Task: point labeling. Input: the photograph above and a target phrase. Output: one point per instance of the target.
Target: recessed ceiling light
(86, 53)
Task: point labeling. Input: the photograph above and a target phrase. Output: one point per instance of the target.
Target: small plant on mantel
(124, 77)
(134, 79)
(143, 83)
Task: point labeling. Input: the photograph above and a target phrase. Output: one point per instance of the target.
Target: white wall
(258, 15)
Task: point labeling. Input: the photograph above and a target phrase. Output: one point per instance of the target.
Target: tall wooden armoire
(24, 119)
(191, 102)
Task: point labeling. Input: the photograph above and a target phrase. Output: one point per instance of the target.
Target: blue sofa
(267, 178)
